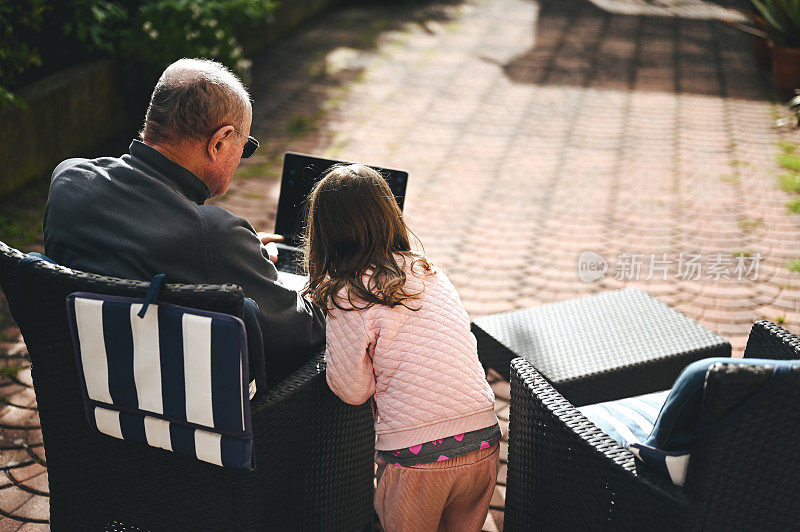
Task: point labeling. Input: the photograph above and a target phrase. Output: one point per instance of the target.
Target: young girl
(398, 332)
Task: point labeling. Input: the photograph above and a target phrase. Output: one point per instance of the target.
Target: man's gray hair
(192, 99)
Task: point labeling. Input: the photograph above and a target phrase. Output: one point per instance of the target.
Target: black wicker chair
(564, 473)
(314, 453)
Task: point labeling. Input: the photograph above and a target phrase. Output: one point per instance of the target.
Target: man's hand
(266, 238)
(272, 252)
(268, 241)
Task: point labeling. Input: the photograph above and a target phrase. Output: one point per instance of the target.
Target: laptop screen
(300, 173)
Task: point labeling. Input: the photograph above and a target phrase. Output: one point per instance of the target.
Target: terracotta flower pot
(762, 53)
(785, 69)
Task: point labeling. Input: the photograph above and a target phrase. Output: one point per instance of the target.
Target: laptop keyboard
(290, 259)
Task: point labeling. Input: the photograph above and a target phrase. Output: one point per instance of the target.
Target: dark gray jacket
(142, 214)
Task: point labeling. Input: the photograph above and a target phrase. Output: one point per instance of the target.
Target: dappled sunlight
(694, 9)
(344, 58)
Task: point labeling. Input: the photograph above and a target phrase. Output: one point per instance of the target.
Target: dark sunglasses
(250, 146)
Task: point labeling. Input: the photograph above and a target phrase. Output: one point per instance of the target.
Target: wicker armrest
(314, 453)
(768, 340)
(293, 384)
(566, 473)
(548, 402)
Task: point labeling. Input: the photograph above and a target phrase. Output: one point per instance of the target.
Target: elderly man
(143, 213)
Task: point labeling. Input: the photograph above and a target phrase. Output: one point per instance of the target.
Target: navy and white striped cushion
(664, 442)
(629, 422)
(670, 464)
(176, 378)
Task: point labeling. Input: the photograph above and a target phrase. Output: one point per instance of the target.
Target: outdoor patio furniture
(564, 473)
(313, 453)
(598, 348)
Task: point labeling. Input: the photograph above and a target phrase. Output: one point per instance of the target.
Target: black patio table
(598, 348)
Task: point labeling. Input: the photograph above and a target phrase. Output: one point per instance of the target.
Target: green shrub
(161, 31)
(96, 24)
(793, 206)
(147, 35)
(17, 54)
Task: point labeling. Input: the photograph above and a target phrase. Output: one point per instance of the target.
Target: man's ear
(217, 141)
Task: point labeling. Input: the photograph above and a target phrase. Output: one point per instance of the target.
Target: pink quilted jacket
(421, 366)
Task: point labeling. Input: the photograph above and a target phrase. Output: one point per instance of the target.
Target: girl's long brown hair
(353, 229)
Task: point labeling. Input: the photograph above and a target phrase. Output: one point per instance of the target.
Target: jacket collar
(175, 175)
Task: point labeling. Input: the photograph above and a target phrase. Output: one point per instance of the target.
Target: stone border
(66, 113)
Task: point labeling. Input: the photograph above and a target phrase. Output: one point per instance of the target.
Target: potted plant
(782, 18)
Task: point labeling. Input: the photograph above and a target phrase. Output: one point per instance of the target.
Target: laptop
(300, 173)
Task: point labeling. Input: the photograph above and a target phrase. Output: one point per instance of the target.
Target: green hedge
(17, 55)
(41, 36)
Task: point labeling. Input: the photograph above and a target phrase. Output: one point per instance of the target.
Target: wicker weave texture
(564, 473)
(768, 340)
(601, 347)
(314, 454)
(746, 477)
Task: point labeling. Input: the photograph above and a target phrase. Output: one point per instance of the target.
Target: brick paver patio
(532, 131)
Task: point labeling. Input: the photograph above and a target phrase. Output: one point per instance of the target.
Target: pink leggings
(448, 495)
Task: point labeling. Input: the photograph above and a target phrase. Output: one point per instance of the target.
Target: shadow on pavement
(683, 49)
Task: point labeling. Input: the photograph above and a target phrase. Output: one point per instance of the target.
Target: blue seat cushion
(628, 420)
(663, 440)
